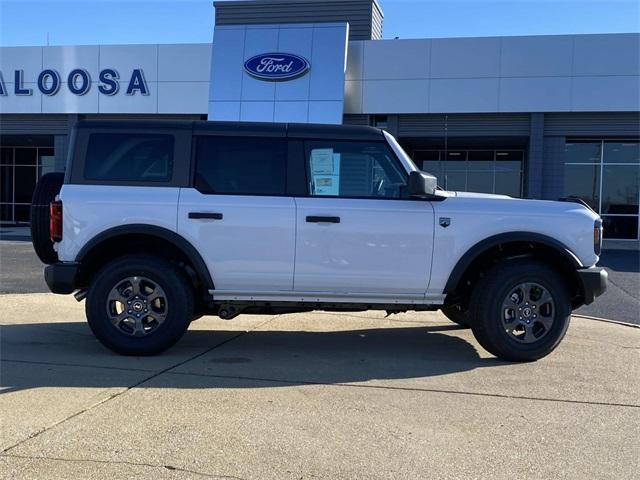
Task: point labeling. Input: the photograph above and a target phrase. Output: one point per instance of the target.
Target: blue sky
(69, 22)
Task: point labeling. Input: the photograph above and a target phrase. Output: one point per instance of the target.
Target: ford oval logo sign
(276, 66)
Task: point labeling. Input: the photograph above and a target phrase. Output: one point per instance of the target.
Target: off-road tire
(45, 192)
(179, 297)
(485, 309)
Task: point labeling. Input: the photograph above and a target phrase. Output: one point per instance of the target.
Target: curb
(617, 322)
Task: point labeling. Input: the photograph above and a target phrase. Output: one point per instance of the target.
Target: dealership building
(528, 116)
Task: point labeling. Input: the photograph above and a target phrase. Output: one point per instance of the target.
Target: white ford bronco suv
(158, 223)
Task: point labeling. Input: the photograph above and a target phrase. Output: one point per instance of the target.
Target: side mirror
(422, 184)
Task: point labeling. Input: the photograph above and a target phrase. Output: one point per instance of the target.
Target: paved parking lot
(621, 301)
(312, 396)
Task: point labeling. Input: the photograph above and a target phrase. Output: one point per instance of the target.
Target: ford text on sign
(276, 66)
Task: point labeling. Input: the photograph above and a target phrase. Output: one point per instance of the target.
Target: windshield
(402, 155)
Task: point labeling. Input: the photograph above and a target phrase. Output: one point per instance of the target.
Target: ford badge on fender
(276, 66)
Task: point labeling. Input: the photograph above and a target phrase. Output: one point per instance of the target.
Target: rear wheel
(45, 192)
(520, 311)
(139, 305)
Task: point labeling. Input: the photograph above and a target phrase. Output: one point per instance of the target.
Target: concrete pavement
(312, 396)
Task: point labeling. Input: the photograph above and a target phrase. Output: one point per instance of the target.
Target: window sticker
(326, 185)
(322, 161)
(325, 172)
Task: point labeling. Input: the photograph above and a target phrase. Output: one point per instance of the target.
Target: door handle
(205, 216)
(316, 219)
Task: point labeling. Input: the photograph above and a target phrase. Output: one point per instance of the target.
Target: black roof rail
(203, 127)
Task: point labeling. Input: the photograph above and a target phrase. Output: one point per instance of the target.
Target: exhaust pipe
(81, 294)
(229, 312)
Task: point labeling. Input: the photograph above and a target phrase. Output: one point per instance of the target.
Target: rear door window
(129, 157)
(241, 165)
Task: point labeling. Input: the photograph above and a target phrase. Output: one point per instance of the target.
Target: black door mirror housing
(422, 184)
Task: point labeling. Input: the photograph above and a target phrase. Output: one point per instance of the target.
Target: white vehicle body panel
(379, 247)
(252, 248)
(90, 210)
(475, 218)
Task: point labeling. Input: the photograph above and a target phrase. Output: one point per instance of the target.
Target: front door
(237, 215)
(358, 232)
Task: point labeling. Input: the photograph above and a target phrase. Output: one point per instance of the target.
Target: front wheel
(520, 310)
(139, 305)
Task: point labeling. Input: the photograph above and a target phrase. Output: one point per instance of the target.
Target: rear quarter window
(129, 157)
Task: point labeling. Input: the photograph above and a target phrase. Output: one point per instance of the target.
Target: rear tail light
(597, 236)
(55, 221)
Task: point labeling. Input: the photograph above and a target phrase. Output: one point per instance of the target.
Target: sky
(90, 22)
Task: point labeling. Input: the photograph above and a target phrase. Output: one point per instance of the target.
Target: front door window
(354, 170)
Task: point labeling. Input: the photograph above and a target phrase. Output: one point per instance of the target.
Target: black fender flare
(481, 247)
(152, 230)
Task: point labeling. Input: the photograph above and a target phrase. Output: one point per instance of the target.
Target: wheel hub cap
(528, 312)
(137, 306)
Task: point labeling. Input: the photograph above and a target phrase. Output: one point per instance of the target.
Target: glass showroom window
(484, 171)
(606, 174)
(20, 168)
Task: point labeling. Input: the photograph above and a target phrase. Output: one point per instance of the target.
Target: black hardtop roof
(201, 127)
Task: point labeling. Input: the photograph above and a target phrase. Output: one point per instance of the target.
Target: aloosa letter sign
(78, 81)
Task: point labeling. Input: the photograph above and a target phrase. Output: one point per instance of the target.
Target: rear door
(238, 215)
(357, 231)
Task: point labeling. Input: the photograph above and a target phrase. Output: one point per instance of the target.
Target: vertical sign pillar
(258, 73)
